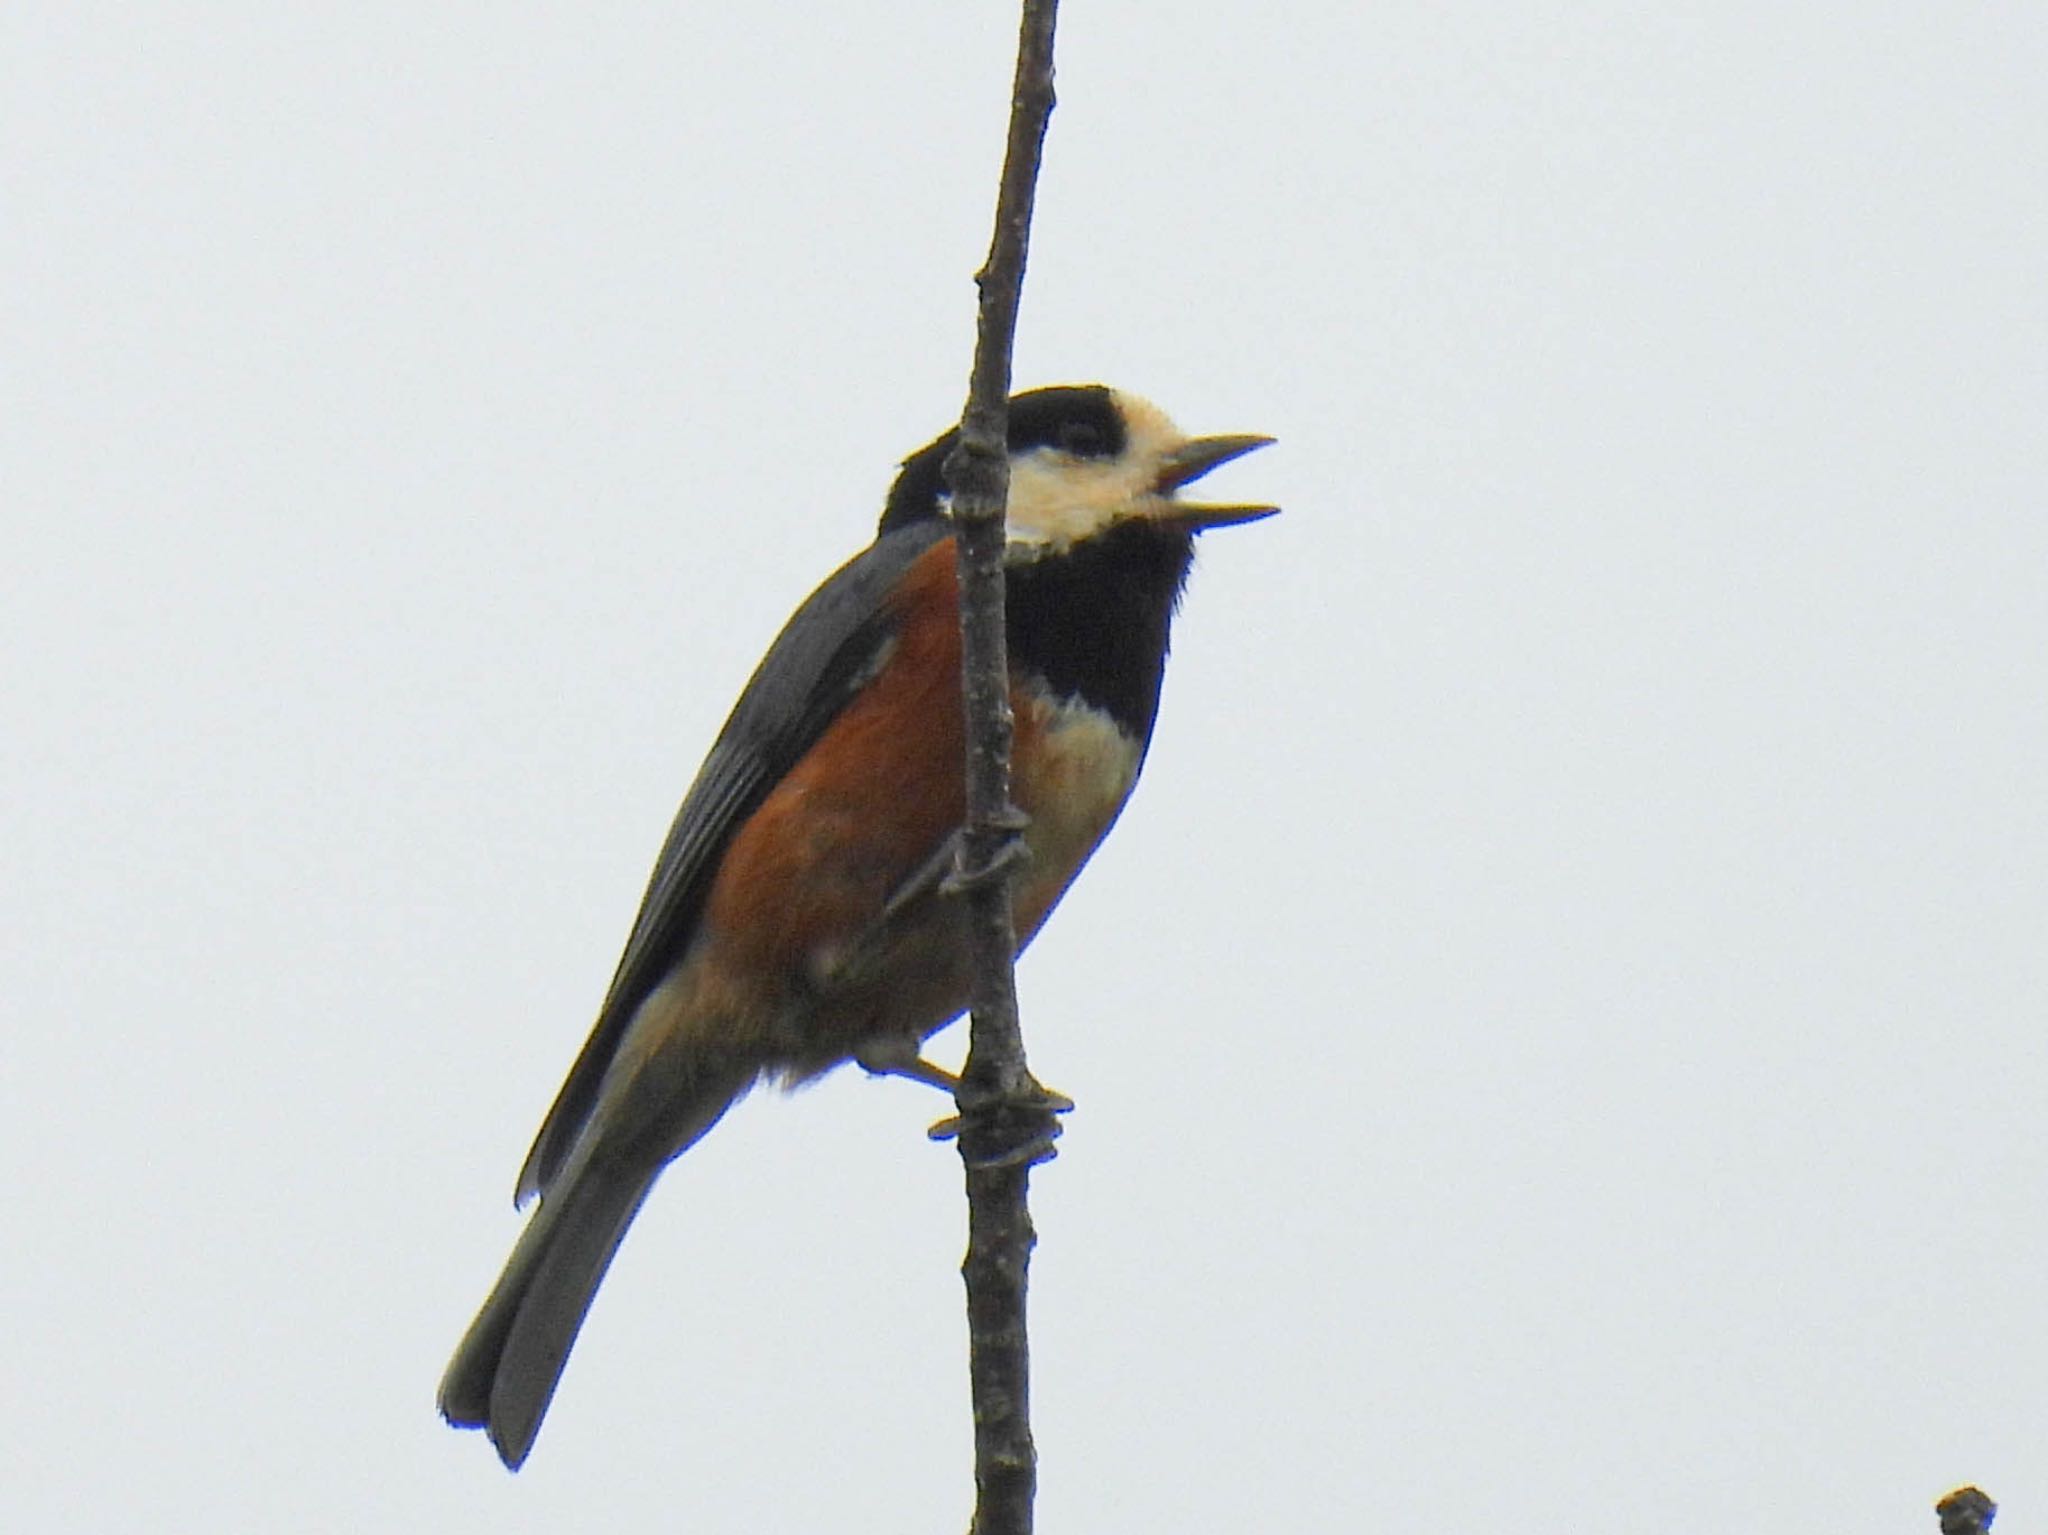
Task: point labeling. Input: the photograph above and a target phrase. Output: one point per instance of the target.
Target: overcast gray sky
(1561, 1024)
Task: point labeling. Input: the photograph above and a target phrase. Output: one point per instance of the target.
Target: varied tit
(795, 919)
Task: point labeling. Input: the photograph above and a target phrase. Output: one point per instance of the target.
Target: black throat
(1093, 620)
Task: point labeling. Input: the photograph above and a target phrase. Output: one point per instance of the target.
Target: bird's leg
(931, 875)
(897, 1055)
(900, 1055)
(859, 960)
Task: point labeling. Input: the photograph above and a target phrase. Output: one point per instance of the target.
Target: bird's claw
(1013, 850)
(1010, 1131)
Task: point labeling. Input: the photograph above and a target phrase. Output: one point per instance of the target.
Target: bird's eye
(1083, 439)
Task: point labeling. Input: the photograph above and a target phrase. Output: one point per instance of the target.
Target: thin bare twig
(1005, 1122)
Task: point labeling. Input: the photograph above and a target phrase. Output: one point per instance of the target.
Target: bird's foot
(1009, 852)
(1008, 1128)
(999, 1129)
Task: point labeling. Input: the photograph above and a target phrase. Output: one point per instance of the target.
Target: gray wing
(822, 658)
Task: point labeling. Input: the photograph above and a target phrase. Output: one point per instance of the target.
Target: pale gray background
(1561, 1024)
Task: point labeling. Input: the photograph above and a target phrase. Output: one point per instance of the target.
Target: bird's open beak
(1188, 463)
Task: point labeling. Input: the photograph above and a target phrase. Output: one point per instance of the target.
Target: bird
(799, 917)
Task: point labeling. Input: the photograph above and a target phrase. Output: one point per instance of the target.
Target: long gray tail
(506, 1368)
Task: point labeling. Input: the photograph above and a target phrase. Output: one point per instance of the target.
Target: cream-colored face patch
(1057, 498)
